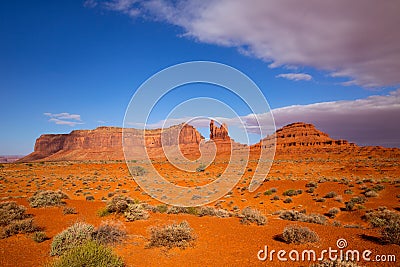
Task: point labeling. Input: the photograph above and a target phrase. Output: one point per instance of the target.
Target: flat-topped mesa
(106, 142)
(218, 132)
(300, 135)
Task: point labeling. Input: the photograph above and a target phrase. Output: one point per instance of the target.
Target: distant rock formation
(105, 143)
(218, 132)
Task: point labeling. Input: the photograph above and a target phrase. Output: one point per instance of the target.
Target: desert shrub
(311, 184)
(273, 190)
(378, 187)
(69, 210)
(137, 170)
(371, 193)
(162, 208)
(288, 200)
(10, 211)
(335, 263)
(19, 227)
(201, 168)
(331, 194)
(89, 254)
(73, 236)
(250, 215)
(173, 235)
(292, 215)
(103, 212)
(119, 204)
(320, 199)
(109, 232)
(299, 235)
(47, 198)
(355, 200)
(332, 213)
(381, 217)
(210, 211)
(135, 212)
(268, 193)
(276, 198)
(310, 190)
(89, 198)
(39, 237)
(348, 192)
(391, 231)
(177, 210)
(292, 192)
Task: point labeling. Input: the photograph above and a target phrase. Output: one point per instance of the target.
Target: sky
(67, 65)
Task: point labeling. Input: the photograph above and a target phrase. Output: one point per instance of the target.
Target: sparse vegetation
(19, 227)
(73, 236)
(90, 254)
(292, 192)
(47, 199)
(69, 210)
(288, 200)
(173, 235)
(119, 204)
(332, 213)
(201, 168)
(331, 194)
(388, 221)
(39, 237)
(109, 232)
(292, 215)
(137, 170)
(250, 215)
(299, 235)
(135, 212)
(11, 211)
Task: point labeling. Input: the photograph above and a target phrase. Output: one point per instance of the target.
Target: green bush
(136, 212)
(75, 235)
(89, 254)
(252, 216)
(299, 235)
(47, 198)
(172, 235)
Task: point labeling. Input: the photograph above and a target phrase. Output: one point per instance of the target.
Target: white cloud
(295, 76)
(355, 39)
(64, 118)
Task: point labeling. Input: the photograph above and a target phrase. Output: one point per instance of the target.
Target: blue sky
(87, 58)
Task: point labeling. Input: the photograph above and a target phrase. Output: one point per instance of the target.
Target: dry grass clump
(47, 199)
(332, 213)
(173, 235)
(11, 211)
(69, 210)
(136, 212)
(210, 211)
(292, 215)
(13, 220)
(388, 221)
(109, 232)
(19, 227)
(299, 235)
(250, 215)
(39, 237)
(137, 170)
(119, 204)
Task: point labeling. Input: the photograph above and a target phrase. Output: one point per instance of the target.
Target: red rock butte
(105, 143)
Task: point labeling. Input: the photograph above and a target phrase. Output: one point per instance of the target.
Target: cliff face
(106, 142)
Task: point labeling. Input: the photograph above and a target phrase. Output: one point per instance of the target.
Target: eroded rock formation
(218, 132)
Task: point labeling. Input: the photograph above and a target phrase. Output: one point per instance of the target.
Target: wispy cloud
(356, 39)
(64, 118)
(295, 76)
